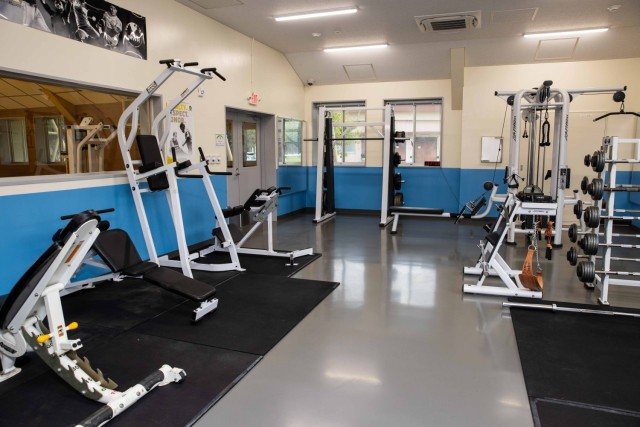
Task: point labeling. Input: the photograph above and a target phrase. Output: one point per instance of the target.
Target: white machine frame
(385, 135)
(495, 265)
(186, 260)
(26, 332)
(558, 101)
(94, 142)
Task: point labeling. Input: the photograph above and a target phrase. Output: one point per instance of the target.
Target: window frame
(281, 134)
(10, 135)
(341, 104)
(415, 102)
(46, 143)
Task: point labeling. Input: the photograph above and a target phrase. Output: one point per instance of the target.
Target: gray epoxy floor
(397, 343)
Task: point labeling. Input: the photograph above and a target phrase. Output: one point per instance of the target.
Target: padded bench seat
(117, 250)
(416, 211)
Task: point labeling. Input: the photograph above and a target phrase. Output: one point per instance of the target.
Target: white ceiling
(416, 55)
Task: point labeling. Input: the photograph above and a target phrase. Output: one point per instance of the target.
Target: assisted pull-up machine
(160, 176)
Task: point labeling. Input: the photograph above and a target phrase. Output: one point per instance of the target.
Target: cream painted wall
(173, 31)
(483, 112)
(374, 94)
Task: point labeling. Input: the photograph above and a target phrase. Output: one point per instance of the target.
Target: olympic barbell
(598, 160)
(586, 272)
(590, 244)
(574, 233)
(592, 217)
(572, 257)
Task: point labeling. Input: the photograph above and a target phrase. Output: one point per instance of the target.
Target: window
(421, 122)
(37, 117)
(289, 142)
(249, 144)
(50, 139)
(349, 140)
(13, 141)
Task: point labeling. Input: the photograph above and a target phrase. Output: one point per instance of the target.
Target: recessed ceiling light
(316, 34)
(614, 7)
(317, 14)
(369, 46)
(566, 33)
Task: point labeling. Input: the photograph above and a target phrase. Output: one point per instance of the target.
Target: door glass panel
(249, 144)
(229, 143)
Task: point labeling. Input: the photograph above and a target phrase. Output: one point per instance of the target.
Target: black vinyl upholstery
(151, 159)
(29, 280)
(419, 211)
(117, 250)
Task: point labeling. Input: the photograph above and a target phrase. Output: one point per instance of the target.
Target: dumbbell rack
(603, 278)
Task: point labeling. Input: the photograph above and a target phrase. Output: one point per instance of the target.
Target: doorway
(252, 147)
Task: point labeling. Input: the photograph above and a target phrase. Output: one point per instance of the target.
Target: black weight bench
(397, 211)
(118, 252)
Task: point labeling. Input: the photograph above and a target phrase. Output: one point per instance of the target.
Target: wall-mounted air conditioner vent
(449, 21)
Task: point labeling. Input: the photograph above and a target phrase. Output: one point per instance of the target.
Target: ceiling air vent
(449, 21)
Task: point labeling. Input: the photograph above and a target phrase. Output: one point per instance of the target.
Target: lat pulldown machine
(36, 298)
(530, 104)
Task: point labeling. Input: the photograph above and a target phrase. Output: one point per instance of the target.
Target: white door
(243, 132)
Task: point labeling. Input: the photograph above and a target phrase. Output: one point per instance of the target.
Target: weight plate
(577, 209)
(573, 233)
(586, 271)
(584, 184)
(572, 256)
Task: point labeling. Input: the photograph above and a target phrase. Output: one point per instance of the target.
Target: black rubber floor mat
(255, 312)
(584, 358)
(119, 305)
(553, 413)
(47, 400)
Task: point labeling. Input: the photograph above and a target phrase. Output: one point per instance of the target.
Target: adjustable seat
(117, 250)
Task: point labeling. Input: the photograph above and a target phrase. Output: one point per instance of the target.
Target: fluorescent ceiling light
(370, 46)
(318, 14)
(566, 33)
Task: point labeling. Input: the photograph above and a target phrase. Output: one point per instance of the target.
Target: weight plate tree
(604, 194)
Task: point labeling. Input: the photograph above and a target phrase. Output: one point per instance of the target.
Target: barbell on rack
(574, 233)
(597, 188)
(592, 217)
(590, 244)
(598, 160)
(572, 257)
(579, 208)
(586, 272)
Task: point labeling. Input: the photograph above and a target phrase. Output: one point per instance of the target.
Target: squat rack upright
(325, 195)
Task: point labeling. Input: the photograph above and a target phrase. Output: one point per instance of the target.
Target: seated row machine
(36, 298)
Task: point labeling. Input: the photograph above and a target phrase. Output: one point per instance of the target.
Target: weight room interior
(397, 342)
